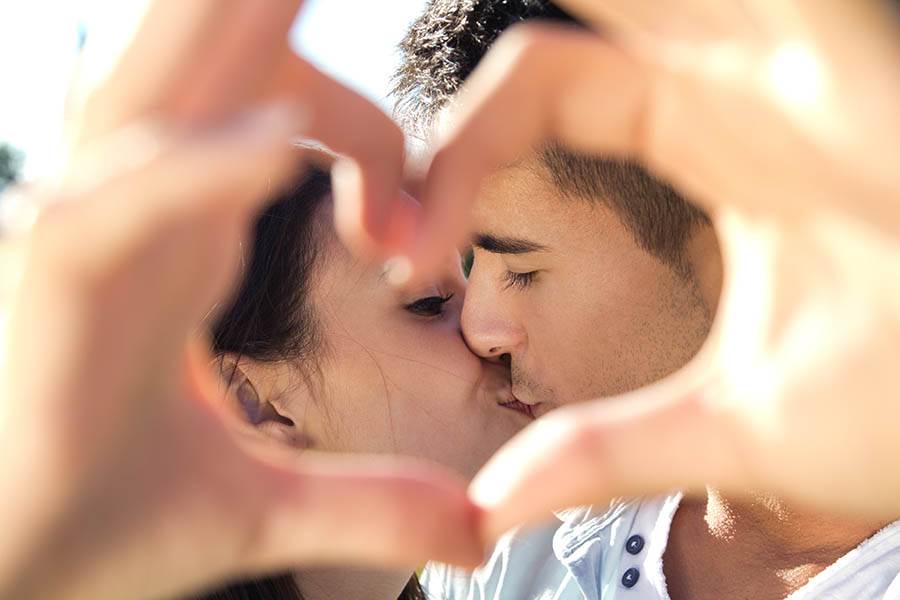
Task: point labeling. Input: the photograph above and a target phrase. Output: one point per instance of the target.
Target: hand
(780, 122)
(202, 61)
(119, 475)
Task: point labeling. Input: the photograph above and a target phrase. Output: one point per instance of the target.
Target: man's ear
(246, 391)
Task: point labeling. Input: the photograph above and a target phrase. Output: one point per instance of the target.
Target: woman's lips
(497, 384)
(518, 406)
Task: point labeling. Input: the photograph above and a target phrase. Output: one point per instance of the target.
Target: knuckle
(585, 441)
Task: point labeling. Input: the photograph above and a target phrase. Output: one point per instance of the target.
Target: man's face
(561, 290)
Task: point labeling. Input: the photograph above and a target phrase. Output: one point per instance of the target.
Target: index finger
(200, 60)
(538, 83)
(367, 179)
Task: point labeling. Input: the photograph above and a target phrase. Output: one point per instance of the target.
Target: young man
(590, 278)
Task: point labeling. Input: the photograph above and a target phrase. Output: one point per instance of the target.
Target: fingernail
(487, 492)
(398, 270)
(347, 179)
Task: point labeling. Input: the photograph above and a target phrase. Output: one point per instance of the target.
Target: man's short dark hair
(442, 48)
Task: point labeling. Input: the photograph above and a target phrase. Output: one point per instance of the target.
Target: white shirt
(617, 555)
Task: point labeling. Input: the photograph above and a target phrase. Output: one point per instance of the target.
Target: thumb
(375, 511)
(663, 437)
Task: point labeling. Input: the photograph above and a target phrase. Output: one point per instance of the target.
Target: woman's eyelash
(431, 306)
(519, 280)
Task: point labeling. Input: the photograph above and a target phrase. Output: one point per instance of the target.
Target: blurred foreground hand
(119, 477)
(781, 119)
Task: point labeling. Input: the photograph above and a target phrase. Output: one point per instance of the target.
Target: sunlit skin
(561, 290)
(810, 247)
(691, 134)
(395, 376)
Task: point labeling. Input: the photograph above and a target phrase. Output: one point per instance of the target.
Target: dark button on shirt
(631, 577)
(634, 544)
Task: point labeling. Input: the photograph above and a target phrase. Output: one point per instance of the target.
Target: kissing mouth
(517, 405)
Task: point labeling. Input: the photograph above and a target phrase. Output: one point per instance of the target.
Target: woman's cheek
(455, 354)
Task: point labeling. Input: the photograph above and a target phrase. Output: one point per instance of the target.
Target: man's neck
(343, 583)
(755, 547)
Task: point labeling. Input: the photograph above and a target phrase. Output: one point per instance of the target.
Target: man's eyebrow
(506, 245)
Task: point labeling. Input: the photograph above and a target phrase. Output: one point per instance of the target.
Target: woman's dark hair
(271, 318)
(282, 587)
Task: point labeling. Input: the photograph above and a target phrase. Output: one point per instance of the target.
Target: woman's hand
(119, 477)
(780, 119)
(199, 62)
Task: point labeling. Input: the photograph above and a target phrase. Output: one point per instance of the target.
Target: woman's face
(394, 374)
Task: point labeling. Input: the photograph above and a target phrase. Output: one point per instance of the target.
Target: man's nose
(489, 328)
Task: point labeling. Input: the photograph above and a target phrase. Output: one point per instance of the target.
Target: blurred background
(40, 42)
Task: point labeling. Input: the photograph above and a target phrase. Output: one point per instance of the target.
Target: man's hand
(780, 120)
(119, 477)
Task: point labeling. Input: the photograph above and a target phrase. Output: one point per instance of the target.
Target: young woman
(320, 352)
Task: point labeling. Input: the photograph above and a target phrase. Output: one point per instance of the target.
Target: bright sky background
(354, 40)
